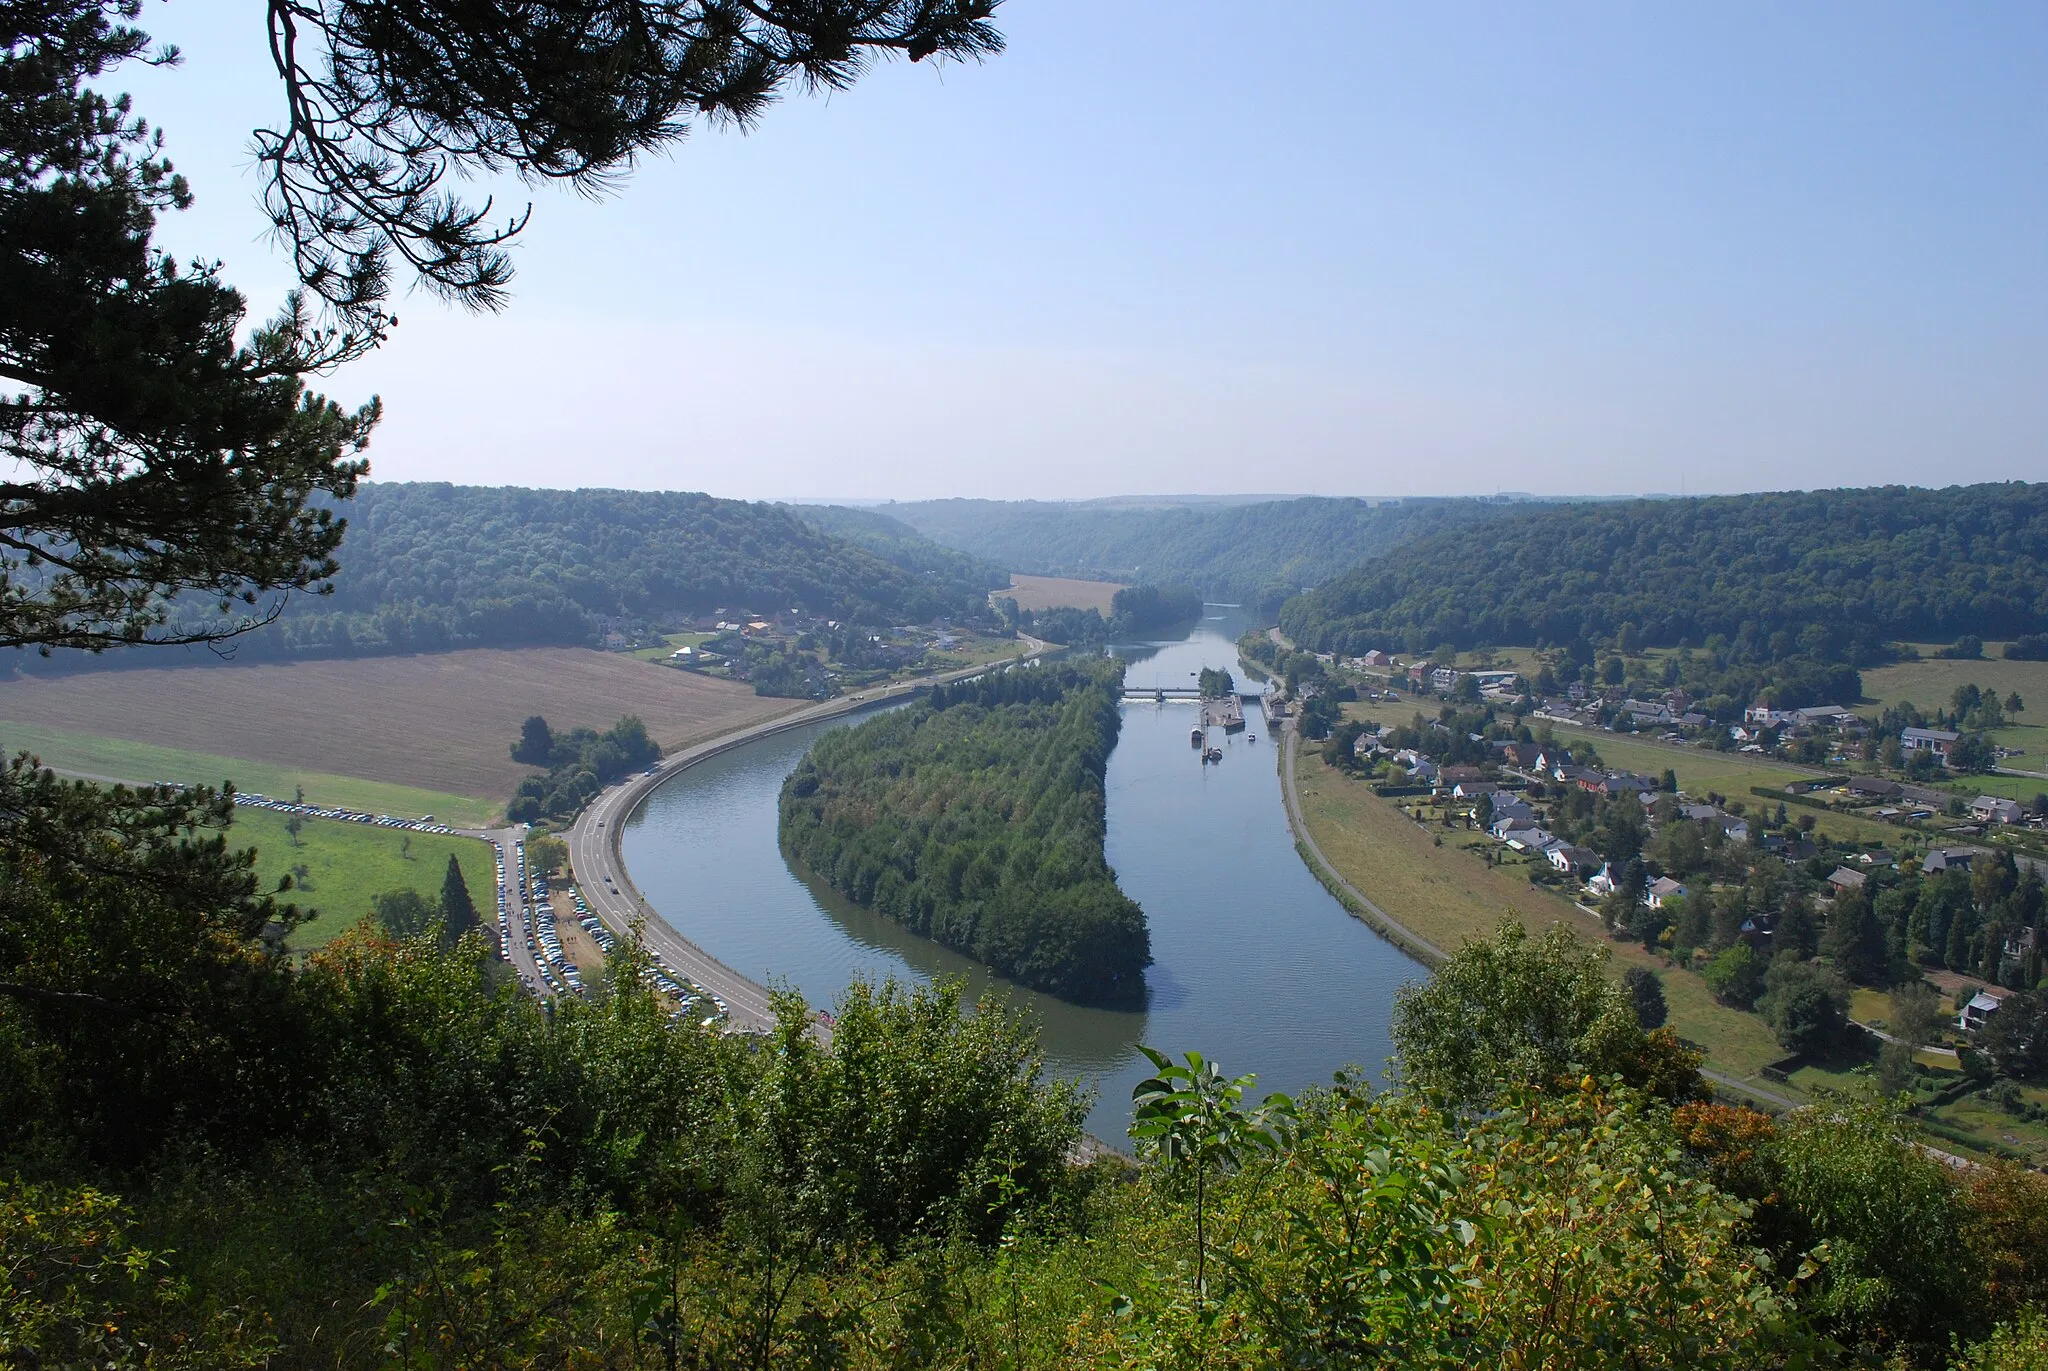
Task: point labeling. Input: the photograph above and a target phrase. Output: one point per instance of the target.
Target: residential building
(1574, 861)
(1842, 878)
(1991, 809)
(1939, 859)
(1936, 740)
(1982, 1006)
(1662, 889)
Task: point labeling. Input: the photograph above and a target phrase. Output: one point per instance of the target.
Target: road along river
(1254, 963)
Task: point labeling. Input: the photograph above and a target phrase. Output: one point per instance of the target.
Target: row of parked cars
(255, 800)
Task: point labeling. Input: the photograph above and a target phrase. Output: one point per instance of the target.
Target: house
(1763, 716)
(1935, 740)
(1574, 861)
(1617, 783)
(1472, 790)
(1455, 775)
(1990, 809)
(1376, 658)
(1422, 769)
(1982, 1006)
(1527, 839)
(1509, 817)
(1940, 859)
(1647, 711)
(1842, 878)
(1734, 828)
(1519, 755)
(1662, 889)
(1699, 814)
(1871, 789)
(1445, 679)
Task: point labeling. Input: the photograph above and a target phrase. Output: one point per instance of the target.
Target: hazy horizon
(1595, 250)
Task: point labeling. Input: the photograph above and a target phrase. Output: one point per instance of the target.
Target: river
(1254, 964)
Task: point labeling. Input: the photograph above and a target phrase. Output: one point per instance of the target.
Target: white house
(1990, 809)
(1935, 740)
(1980, 1008)
(1662, 889)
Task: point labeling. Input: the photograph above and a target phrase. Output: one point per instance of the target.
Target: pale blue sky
(1342, 248)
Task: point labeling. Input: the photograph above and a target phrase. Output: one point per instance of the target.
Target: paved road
(518, 915)
(610, 892)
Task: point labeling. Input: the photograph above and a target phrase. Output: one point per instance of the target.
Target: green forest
(1253, 554)
(1835, 575)
(975, 818)
(431, 567)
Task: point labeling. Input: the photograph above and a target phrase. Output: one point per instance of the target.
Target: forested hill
(897, 542)
(1254, 554)
(427, 567)
(975, 818)
(1839, 572)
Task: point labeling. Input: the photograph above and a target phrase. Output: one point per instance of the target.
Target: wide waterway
(1254, 964)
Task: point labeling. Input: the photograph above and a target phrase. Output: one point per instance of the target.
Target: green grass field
(349, 865)
(1930, 684)
(120, 760)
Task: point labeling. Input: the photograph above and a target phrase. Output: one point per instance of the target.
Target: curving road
(601, 874)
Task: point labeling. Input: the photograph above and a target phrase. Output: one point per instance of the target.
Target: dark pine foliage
(1834, 574)
(975, 818)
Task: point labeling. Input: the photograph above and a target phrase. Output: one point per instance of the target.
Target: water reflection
(1254, 963)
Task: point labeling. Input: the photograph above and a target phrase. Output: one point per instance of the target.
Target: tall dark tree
(536, 745)
(1855, 940)
(458, 911)
(163, 475)
(1645, 990)
(160, 472)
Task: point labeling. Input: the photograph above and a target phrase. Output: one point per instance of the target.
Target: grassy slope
(119, 759)
(1930, 684)
(1447, 895)
(349, 865)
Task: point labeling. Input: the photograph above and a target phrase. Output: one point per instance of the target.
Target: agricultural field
(116, 759)
(1056, 592)
(346, 866)
(1929, 684)
(441, 722)
(1448, 895)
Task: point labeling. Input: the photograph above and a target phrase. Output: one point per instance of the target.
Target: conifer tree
(458, 911)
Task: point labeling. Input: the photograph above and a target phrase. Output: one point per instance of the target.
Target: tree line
(578, 764)
(1134, 612)
(1833, 576)
(1253, 554)
(434, 567)
(975, 818)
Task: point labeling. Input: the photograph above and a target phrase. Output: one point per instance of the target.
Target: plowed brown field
(442, 721)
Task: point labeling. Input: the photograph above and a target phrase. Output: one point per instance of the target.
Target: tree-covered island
(975, 818)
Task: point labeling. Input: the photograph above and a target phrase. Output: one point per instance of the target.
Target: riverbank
(1423, 889)
(594, 852)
